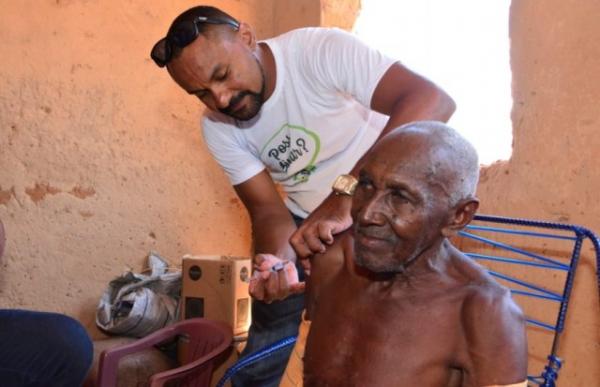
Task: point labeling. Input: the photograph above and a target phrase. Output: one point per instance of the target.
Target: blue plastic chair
(550, 252)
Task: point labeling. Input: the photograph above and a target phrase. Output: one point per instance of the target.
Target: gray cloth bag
(136, 304)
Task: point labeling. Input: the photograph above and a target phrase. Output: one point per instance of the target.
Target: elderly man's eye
(365, 184)
(400, 196)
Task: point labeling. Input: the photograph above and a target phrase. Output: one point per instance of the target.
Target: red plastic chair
(205, 339)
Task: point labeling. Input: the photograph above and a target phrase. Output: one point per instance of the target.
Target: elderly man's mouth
(371, 240)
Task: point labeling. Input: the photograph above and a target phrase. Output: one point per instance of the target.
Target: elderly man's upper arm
(324, 268)
(496, 338)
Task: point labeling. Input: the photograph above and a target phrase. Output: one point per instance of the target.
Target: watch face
(345, 184)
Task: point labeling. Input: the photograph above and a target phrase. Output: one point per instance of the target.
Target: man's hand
(274, 279)
(317, 231)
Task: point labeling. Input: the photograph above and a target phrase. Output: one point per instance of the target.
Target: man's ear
(463, 213)
(246, 33)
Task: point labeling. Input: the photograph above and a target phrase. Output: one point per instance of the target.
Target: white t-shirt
(317, 123)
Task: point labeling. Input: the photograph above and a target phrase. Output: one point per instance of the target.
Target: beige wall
(554, 171)
(101, 158)
(288, 15)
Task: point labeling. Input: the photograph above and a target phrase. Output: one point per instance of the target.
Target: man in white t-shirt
(297, 110)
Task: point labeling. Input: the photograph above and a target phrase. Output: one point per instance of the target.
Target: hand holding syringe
(274, 279)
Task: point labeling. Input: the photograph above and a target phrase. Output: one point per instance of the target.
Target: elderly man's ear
(462, 215)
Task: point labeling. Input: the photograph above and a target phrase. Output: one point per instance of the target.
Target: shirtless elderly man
(392, 302)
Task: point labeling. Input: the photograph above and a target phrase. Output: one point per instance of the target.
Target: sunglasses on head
(181, 35)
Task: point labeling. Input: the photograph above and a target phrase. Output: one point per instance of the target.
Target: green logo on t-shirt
(292, 147)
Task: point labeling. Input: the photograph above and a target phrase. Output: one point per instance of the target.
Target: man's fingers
(264, 262)
(312, 240)
(305, 265)
(326, 230)
(261, 263)
(259, 259)
(272, 277)
(291, 273)
(277, 287)
(297, 288)
(275, 284)
(299, 245)
(283, 289)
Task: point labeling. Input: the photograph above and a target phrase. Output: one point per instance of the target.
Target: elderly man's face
(399, 207)
(223, 73)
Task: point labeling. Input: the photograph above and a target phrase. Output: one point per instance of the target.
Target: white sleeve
(342, 61)
(230, 151)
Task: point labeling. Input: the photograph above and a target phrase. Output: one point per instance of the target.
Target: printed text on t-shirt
(287, 152)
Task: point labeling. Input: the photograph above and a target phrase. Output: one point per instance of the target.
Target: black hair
(205, 11)
(201, 11)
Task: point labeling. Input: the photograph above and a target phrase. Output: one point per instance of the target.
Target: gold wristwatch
(344, 185)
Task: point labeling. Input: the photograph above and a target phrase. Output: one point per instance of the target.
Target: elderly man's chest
(366, 340)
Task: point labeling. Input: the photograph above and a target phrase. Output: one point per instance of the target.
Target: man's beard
(255, 102)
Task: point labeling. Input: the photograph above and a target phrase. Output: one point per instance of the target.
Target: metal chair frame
(568, 232)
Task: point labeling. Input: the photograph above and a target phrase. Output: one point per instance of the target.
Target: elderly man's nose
(372, 210)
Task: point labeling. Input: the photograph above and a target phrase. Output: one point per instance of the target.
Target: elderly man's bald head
(416, 187)
(447, 156)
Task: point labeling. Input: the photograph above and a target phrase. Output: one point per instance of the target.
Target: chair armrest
(109, 358)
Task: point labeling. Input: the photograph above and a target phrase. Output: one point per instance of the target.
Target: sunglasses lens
(183, 34)
(161, 52)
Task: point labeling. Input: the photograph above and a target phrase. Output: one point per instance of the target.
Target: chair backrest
(550, 253)
(201, 344)
(202, 340)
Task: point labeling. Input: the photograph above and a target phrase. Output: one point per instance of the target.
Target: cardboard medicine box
(216, 287)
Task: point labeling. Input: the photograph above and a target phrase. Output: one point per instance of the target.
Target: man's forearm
(428, 104)
(271, 233)
(272, 223)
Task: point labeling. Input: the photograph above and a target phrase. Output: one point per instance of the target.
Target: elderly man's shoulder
(487, 305)
(483, 294)
(494, 328)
